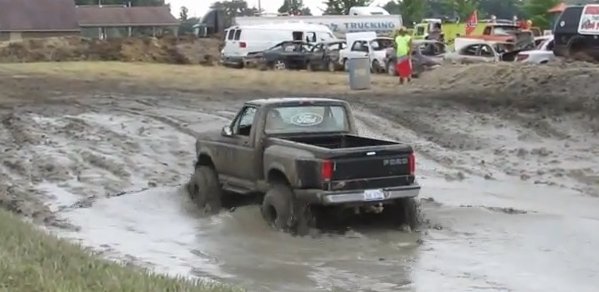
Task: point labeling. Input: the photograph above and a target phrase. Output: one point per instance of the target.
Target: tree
(186, 26)
(411, 10)
(505, 9)
(233, 8)
(461, 8)
(536, 10)
(183, 14)
(341, 7)
(294, 7)
(121, 2)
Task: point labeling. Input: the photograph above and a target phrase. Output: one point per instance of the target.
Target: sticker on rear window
(589, 20)
(306, 119)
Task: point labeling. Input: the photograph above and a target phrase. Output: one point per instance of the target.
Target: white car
(375, 49)
(542, 54)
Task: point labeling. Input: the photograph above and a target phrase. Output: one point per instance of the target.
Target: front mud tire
(205, 191)
(283, 212)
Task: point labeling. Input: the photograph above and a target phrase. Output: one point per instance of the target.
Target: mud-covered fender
(203, 151)
(283, 158)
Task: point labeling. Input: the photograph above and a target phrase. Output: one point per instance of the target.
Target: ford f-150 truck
(303, 153)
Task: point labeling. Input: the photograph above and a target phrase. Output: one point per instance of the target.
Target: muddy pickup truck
(303, 154)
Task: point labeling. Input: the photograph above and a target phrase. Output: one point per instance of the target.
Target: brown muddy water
(510, 211)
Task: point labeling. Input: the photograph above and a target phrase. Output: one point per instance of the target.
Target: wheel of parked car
(376, 67)
(391, 69)
(345, 65)
(332, 67)
(204, 189)
(279, 65)
(404, 212)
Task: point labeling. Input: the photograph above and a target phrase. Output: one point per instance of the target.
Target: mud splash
(116, 171)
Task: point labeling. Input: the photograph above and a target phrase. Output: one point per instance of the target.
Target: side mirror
(226, 131)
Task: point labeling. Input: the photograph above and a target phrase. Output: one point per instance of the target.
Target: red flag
(471, 22)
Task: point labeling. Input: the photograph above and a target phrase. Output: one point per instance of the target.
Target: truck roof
(293, 100)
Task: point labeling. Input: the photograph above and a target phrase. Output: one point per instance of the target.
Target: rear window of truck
(306, 119)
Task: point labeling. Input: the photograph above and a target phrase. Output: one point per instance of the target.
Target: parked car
(284, 55)
(420, 61)
(373, 48)
(573, 38)
(306, 156)
(542, 54)
(241, 40)
(325, 56)
(481, 52)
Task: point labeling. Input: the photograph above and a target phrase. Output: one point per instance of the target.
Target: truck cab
(302, 152)
(575, 33)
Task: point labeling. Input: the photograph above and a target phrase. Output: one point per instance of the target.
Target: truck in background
(360, 19)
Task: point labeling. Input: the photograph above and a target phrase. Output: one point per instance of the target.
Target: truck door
(241, 162)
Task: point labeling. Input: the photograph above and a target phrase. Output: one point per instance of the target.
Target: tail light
(412, 163)
(522, 57)
(326, 171)
(242, 44)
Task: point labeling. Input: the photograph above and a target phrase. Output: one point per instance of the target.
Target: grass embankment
(196, 78)
(31, 260)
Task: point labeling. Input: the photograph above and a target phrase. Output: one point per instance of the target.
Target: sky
(197, 8)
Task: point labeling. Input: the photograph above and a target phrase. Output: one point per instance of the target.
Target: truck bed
(340, 141)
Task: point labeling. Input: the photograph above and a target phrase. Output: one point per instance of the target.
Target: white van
(241, 40)
(367, 10)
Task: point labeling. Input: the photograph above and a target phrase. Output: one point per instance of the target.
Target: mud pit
(510, 198)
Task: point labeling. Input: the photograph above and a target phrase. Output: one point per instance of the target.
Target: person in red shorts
(403, 50)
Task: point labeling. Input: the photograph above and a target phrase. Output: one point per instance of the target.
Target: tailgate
(373, 165)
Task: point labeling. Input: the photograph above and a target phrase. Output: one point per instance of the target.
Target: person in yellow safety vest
(403, 50)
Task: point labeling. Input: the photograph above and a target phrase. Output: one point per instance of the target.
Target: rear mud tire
(404, 212)
(283, 212)
(205, 191)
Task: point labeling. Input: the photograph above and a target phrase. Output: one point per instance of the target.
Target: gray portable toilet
(359, 73)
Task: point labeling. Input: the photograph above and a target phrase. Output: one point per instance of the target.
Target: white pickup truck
(366, 45)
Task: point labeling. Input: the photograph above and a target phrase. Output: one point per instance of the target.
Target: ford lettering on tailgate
(395, 161)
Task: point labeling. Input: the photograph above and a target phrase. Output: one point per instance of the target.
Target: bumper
(358, 197)
(232, 61)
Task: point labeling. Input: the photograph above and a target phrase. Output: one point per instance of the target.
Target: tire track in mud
(499, 145)
(87, 154)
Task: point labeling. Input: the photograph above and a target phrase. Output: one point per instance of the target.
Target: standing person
(403, 50)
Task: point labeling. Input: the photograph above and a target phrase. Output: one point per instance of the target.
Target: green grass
(31, 260)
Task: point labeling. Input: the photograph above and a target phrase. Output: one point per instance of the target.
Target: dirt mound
(559, 87)
(160, 50)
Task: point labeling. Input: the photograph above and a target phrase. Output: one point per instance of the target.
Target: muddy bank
(499, 195)
(554, 89)
(185, 50)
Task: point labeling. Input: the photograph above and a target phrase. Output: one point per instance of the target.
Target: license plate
(374, 195)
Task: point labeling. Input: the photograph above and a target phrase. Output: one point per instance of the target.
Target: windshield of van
(306, 119)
